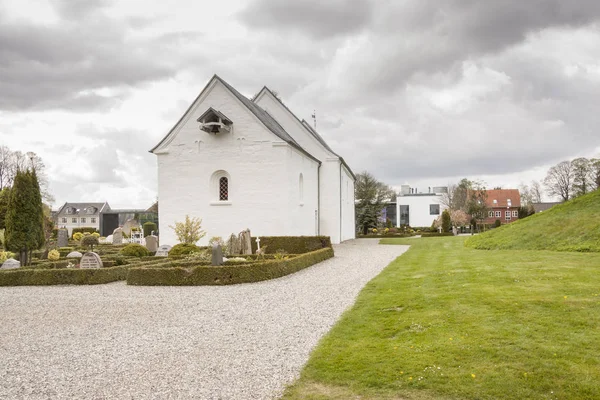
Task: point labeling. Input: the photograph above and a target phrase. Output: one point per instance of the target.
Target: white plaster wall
(263, 195)
(419, 208)
(330, 205)
(348, 208)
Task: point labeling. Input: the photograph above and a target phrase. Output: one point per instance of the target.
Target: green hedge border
(224, 275)
(436, 234)
(62, 276)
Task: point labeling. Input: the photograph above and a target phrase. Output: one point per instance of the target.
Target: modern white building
(238, 163)
(419, 208)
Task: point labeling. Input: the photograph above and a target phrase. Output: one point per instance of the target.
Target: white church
(238, 163)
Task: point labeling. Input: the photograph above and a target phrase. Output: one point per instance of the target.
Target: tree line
(569, 179)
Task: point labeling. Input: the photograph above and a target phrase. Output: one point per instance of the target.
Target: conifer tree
(23, 221)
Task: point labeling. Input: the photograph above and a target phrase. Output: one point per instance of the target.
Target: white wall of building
(263, 176)
(336, 209)
(69, 224)
(419, 210)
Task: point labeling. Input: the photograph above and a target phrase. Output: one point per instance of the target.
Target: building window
(74, 220)
(491, 214)
(404, 215)
(434, 209)
(93, 220)
(83, 220)
(69, 210)
(515, 213)
(507, 215)
(64, 220)
(498, 214)
(220, 188)
(223, 189)
(301, 188)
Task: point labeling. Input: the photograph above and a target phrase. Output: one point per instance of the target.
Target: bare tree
(559, 180)
(447, 198)
(582, 176)
(13, 161)
(595, 173)
(535, 191)
(6, 167)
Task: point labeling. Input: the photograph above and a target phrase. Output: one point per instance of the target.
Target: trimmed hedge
(389, 235)
(62, 276)
(183, 249)
(291, 244)
(225, 275)
(148, 227)
(435, 234)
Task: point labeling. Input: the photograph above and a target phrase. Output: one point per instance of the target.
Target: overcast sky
(422, 92)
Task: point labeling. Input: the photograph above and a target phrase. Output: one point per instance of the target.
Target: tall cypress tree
(4, 196)
(23, 222)
(38, 233)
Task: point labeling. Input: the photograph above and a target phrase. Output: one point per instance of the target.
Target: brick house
(502, 204)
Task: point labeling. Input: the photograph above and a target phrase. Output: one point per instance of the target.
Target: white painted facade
(422, 207)
(273, 181)
(80, 215)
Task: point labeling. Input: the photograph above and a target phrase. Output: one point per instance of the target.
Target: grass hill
(571, 226)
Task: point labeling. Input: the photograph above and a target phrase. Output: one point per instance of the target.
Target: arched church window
(223, 188)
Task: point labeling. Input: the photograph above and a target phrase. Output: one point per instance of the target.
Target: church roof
(310, 130)
(264, 117)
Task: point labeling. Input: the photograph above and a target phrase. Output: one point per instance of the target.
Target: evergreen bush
(134, 250)
(183, 249)
(148, 227)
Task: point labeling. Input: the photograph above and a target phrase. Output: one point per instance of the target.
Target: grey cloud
(60, 67)
(313, 18)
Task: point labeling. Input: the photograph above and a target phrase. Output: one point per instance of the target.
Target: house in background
(79, 215)
(419, 209)
(502, 204)
(539, 207)
(238, 163)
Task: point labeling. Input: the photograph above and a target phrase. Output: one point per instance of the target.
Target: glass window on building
(404, 215)
(434, 209)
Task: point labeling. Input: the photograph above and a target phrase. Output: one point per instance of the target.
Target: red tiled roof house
(502, 204)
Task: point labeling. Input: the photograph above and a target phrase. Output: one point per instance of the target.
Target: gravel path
(124, 342)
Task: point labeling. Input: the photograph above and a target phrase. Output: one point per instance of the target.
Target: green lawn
(571, 226)
(448, 322)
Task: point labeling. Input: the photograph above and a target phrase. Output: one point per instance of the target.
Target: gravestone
(11, 263)
(90, 260)
(245, 242)
(152, 243)
(108, 239)
(63, 237)
(163, 251)
(117, 236)
(233, 244)
(217, 255)
(74, 254)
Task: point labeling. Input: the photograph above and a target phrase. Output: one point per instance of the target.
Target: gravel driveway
(125, 342)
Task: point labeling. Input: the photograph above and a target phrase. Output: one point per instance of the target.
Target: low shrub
(183, 249)
(226, 274)
(497, 223)
(435, 234)
(5, 255)
(89, 241)
(61, 276)
(134, 250)
(53, 255)
(65, 250)
(291, 244)
(84, 229)
(77, 236)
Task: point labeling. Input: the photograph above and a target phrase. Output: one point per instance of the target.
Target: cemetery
(240, 260)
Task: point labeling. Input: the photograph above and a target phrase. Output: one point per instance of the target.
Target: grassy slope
(447, 322)
(572, 226)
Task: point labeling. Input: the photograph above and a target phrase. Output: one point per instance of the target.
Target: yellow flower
(473, 376)
(450, 339)
(410, 378)
(565, 297)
